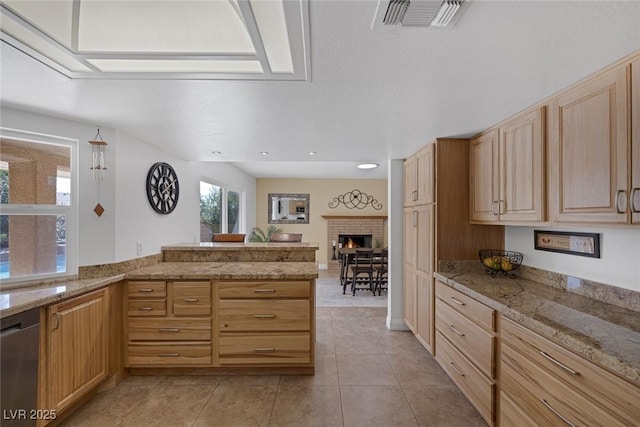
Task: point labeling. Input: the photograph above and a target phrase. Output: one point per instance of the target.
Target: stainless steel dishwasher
(19, 344)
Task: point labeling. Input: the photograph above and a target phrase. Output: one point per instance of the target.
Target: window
(220, 210)
(37, 206)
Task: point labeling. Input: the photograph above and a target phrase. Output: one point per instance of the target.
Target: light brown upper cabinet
(418, 187)
(507, 171)
(589, 151)
(635, 140)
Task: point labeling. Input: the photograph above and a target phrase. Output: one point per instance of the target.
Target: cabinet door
(410, 225)
(409, 298)
(635, 141)
(77, 347)
(410, 181)
(424, 310)
(423, 238)
(522, 168)
(589, 151)
(425, 161)
(483, 176)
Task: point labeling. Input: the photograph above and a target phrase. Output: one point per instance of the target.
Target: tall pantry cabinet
(436, 227)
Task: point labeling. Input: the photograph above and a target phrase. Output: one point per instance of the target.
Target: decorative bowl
(495, 260)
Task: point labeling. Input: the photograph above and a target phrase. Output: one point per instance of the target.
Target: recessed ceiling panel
(52, 17)
(212, 26)
(163, 39)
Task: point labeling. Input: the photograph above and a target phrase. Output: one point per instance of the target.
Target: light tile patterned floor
(365, 375)
(329, 294)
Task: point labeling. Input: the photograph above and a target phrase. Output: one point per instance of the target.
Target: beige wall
(321, 192)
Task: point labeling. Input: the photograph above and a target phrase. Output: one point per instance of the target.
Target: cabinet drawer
(265, 348)
(156, 307)
(192, 299)
(146, 289)
(266, 289)
(478, 389)
(473, 341)
(601, 385)
(478, 312)
(512, 415)
(163, 354)
(152, 329)
(266, 315)
(545, 398)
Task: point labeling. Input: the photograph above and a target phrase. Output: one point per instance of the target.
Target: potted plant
(258, 235)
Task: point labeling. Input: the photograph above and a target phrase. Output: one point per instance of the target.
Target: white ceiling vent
(418, 13)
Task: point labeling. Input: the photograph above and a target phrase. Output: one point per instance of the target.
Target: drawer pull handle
(493, 207)
(457, 301)
(190, 299)
(169, 355)
(560, 364)
(556, 413)
(169, 330)
(621, 201)
(145, 308)
(457, 370)
(264, 316)
(263, 290)
(635, 204)
(145, 290)
(264, 349)
(453, 328)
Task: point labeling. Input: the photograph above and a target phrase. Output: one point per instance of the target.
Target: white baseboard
(396, 324)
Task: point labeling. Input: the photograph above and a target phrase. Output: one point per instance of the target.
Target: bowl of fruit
(495, 261)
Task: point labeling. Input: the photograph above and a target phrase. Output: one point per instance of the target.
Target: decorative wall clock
(162, 188)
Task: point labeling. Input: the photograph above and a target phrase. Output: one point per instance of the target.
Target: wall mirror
(288, 208)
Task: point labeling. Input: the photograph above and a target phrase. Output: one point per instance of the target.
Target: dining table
(346, 256)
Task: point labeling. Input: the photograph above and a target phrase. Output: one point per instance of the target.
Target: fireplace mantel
(383, 217)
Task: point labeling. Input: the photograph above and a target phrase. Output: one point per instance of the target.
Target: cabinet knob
(264, 349)
(169, 355)
(457, 370)
(264, 316)
(453, 328)
(263, 290)
(145, 308)
(145, 290)
(493, 207)
(556, 413)
(190, 299)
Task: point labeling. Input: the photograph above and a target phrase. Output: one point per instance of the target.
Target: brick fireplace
(359, 228)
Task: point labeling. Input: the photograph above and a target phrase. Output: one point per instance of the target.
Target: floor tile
(238, 405)
(375, 406)
(203, 380)
(147, 381)
(416, 369)
(170, 405)
(358, 343)
(108, 408)
(442, 406)
(400, 342)
(299, 405)
(325, 344)
(326, 373)
(250, 380)
(364, 370)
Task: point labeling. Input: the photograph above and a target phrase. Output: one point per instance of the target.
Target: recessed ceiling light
(367, 165)
(264, 153)
(217, 153)
(312, 153)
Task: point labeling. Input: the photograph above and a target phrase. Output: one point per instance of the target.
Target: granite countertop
(606, 334)
(230, 246)
(16, 300)
(227, 270)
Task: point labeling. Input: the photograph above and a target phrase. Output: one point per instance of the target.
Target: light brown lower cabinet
(545, 384)
(76, 348)
(466, 347)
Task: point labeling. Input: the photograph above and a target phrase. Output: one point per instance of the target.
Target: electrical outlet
(139, 248)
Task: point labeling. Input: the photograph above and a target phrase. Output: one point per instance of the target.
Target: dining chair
(286, 237)
(362, 265)
(228, 237)
(382, 271)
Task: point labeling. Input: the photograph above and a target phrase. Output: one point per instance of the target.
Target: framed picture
(582, 244)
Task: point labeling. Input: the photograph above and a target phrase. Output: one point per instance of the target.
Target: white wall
(619, 264)
(128, 217)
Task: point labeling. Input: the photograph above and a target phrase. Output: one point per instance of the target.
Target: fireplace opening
(355, 240)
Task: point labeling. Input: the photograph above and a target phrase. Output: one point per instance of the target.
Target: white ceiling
(374, 95)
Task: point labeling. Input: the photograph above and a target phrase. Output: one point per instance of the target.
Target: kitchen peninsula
(196, 309)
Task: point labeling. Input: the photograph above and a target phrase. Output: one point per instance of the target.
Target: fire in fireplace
(355, 240)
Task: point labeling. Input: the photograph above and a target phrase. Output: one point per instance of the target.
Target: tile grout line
(206, 403)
